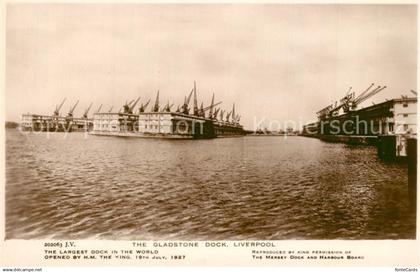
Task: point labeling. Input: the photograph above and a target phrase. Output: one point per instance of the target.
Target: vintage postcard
(276, 134)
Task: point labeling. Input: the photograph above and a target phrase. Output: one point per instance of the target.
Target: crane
(324, 113)
(211, 106)
(85, 114)
(362, 98)
(365, 91)
(414, 92)
(156, 106)
(168, 107)
(58, 108)
(70, 114)
(196, 112)
(228, 116)
(348, 102)
(214, 116)
(126, 106)
(344, 103)
(99, 109)
(110, 109)
(129, 103)
(349, 91)
(201, 110)
(143, 107)
(184, 108)
(233, 112)
(131, 108)
(222, 113)
(164, 108)
(187, 102)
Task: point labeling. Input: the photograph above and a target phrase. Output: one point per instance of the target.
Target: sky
(276, 62)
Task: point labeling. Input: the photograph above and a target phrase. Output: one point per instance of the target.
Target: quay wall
(347, 139)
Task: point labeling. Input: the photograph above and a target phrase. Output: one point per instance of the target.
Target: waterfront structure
(114, 122)
(203, 122)
(57, 123)
(396, 116)
(163, 124)
(173, 123)
(388, 125)
(36, 122)
(162, 121)
(404, 115)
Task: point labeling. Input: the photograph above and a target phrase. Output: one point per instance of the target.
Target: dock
(154, 121)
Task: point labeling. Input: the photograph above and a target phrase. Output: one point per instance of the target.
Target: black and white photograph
(210, 122)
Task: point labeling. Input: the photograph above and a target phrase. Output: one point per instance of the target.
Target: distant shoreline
(9, 124)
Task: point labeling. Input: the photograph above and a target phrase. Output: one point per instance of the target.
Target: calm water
(236, 188)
